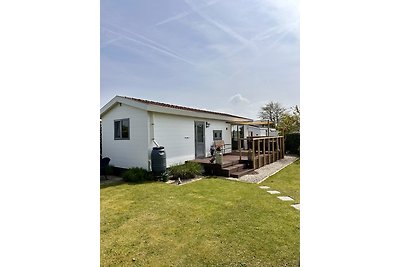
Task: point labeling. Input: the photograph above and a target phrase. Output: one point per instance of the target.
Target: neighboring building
(262, 131)
(130, 125)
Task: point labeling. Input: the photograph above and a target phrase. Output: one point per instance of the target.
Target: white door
(199, 139)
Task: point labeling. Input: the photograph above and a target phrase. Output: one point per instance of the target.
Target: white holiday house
(261, 131)
(130, 125)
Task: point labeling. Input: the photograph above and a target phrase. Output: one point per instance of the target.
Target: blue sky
(221, 55)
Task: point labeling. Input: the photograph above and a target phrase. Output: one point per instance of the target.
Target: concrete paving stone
(296, 206)
(285, 198)
(264, 187)
(273, 192)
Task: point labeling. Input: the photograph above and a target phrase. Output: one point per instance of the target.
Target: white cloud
(238, 99)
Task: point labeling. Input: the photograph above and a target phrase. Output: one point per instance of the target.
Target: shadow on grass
(119, 182)
(111, 184)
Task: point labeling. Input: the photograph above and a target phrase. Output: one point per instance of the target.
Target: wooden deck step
(240, 173)
(230, 163)
(226, 171)
(234, 168)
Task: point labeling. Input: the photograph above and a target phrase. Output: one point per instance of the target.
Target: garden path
(259, 175)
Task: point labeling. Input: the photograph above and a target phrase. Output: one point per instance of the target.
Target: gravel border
(259, 175)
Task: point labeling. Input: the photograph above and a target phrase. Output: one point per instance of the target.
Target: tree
(290, 121)
(273, 112)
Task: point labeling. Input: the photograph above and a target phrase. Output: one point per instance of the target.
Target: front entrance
(199, 139)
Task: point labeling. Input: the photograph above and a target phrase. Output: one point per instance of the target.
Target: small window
(217, 135)
(121, 129)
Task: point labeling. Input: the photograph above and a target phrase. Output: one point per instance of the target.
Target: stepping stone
(285, 198)
(296, 206)
(273, 192)
(264, 187)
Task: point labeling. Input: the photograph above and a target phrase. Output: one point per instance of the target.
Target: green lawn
(286, 181)
(212, 222)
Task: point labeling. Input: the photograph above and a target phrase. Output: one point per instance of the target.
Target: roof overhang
(168, 110)
(253, 122)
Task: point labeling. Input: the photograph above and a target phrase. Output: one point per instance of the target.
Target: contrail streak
(161, 50)
(218, 25)
(110, 42)
(176, 17)
(276, 41)
(143, 37)
(184, 14)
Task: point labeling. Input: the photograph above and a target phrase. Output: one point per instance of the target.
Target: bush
(292, 143)
(185, 171)
(136, 175)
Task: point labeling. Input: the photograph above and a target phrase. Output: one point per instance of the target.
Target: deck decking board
(233, 166)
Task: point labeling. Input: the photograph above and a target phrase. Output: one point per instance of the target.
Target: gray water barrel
(158, 160)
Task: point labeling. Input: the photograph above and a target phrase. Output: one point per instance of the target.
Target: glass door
(199, 139)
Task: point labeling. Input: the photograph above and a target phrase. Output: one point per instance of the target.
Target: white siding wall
(126, 153)
(255, 131)
(259, 131)
(226, 134)
(273, 132)
(262, 131)
(176, 134)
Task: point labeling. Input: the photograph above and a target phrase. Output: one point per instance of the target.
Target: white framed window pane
(217, 134)
(117, 129)
(125, 129)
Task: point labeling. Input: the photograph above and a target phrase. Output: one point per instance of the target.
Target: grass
(286, 181)
(212, 222)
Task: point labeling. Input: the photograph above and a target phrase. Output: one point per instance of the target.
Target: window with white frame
(121, 129)
(217, 134)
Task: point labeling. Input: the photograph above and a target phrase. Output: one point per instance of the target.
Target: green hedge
(292, 143)
(137, 175)
(185, 171)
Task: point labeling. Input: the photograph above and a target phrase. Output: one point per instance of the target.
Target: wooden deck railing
(263, 150)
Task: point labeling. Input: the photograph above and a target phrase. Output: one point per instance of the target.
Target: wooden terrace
(261, 151)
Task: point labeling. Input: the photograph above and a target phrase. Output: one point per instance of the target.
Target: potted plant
(218, 155)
